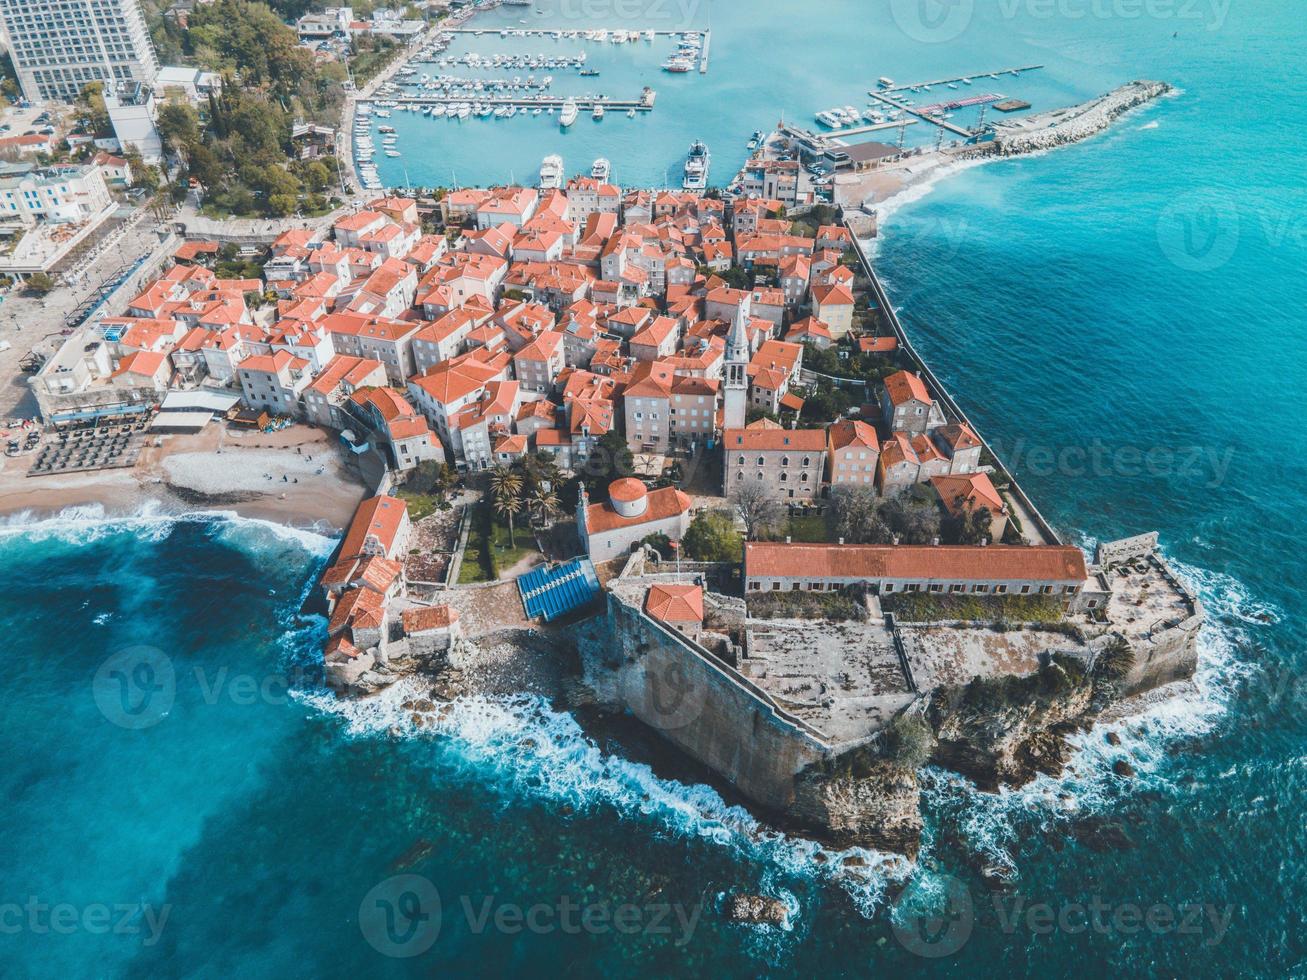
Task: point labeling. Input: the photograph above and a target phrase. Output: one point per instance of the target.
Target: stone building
(788, 462)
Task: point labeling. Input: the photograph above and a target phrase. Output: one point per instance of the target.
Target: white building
(633, 512)
(61, 46)
(58, 194)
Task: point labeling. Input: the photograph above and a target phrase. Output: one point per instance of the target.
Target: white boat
(630, 113)
(598, 112)
(696, 167)
(884, 82)
(393, 153)
(464, 111)
(438, 110)
(601, 170)
(551, 172)
(569, 113)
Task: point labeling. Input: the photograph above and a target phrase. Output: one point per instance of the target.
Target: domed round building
(632, 513)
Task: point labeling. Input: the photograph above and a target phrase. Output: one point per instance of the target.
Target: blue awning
(552, 590)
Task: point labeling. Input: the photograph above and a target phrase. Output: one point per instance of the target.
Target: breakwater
(1058, 127)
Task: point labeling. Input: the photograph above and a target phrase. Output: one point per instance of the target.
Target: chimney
(984, 542)
(896, 539)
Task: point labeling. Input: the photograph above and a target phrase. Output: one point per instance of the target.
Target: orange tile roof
(419, 619)
(774, 440)
(379, 517)
(925, 563)
(903, 386)
(968, 493)
(662, 503)
(675, 603)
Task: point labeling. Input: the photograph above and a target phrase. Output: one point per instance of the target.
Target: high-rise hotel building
(59, 46)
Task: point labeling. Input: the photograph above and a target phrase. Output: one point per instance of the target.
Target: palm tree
(506, 488)
(546, 502)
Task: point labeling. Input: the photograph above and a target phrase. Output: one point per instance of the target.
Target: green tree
(506, 490)
(546, 504)
(611, 460)
(39, 283)
(712, 536)
(92, 114)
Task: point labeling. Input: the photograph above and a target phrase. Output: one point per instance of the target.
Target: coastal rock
(756, 910)
(1123, 768)
(1112, 738)
(875, 806)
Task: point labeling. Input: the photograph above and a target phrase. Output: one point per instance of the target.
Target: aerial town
(676, 431)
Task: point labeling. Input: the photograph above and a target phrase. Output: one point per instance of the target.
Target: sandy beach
(296, 477)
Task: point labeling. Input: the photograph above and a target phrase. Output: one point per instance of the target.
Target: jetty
(703, 60)
(924, 116)
(965, 79)
(538, 102)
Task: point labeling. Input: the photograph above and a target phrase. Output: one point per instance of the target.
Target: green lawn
(475, 567)
(420, 505)
(810, 527)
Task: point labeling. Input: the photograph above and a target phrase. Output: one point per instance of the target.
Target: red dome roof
(626, 489)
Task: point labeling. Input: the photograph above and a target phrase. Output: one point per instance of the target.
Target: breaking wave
(994, 824)
(90, 523)
(538, 752)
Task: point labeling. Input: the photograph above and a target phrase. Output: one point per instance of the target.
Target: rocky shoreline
(1060, 127)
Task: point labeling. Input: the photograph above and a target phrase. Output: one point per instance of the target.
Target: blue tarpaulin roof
(553, 590)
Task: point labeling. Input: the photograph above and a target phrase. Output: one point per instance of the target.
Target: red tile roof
(924, 563)
(675, 603)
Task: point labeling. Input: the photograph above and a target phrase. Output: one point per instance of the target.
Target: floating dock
(544, 102)
(703, 61)
(837, 134)
(924, 117)
(913, 86)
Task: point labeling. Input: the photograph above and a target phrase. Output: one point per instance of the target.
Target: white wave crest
(87, 524)
(542, 753)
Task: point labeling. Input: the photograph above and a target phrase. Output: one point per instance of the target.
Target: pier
(541, 102)
(838, 134)
(961, 78)
(703, 61)
(923, 116)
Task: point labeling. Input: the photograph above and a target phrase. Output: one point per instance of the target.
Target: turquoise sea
(1124, 318)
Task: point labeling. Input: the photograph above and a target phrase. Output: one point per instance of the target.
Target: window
(740, 461)
(937, 588)
(807, 461)
(1025, 590)
(1000, 589)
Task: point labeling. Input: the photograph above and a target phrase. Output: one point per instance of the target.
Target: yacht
(598, 112)
(601, 170)
(696, 167)
(551, 172)
(569, 113)
(677, 65)
(393, 153)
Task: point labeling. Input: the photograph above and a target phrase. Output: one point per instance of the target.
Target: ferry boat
(569, 113)
(551, 172)
(598, 113)
(696, 167)
(601, 170)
